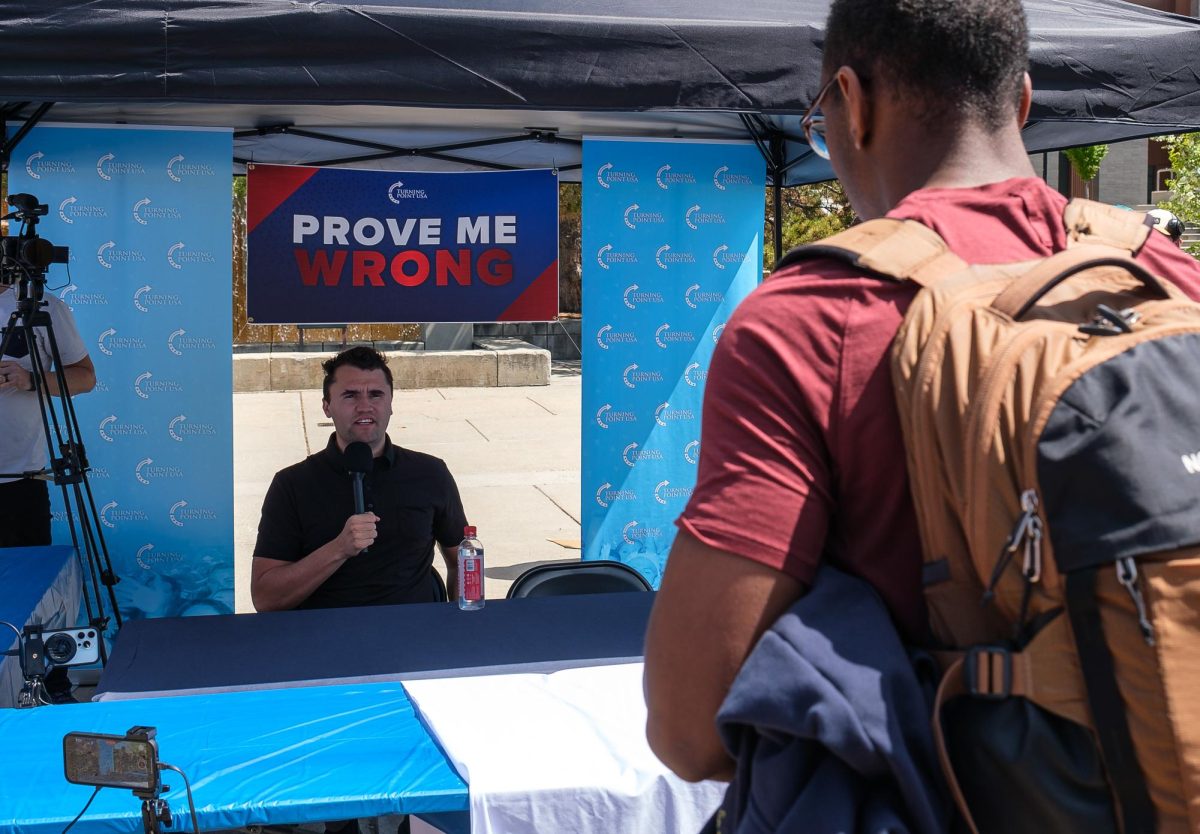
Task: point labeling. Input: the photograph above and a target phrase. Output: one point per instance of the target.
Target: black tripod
(23, 263)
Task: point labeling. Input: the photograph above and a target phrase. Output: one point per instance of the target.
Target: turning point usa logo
(607, 256)
(607, 415)
(145, 471)
(632, 376)
(180, 429)
(147, 557)
(722, 256)
(634, 215)
(634, 532)
(179, 341)
(607, 174)
(109, 341)
(178, 255)
(722, 179)
(664, 257)
(146, 384)
(109, 254)
(181, 513)
(635, 295)
(397, 192)
(606, 495)
(695, 217)
(665, 178)
(693, 296)
(36, 164)
(664, 414)
(606, 336)
(664, 492)
(631, 454)
(178, 167)
(72, 297)
(144, 298)
(71, 210)
(664, 336)
(108, 167)
(144, 212)
(111, 515)
(111, 428)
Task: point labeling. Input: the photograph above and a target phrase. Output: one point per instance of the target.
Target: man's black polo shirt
(414, 496)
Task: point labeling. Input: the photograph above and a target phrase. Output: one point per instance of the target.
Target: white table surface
(559, 752)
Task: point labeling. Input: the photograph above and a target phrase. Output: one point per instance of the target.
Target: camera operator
(25, 501)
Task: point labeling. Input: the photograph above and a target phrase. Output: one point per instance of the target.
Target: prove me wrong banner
(334, 245)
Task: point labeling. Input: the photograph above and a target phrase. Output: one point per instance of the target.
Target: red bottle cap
(469, 531)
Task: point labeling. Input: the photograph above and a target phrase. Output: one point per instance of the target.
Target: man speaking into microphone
(325, 543)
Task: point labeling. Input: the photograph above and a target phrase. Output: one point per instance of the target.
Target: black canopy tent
(518, 83)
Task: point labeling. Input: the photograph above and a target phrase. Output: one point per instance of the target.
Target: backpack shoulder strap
(1089, 222)
(901, 249)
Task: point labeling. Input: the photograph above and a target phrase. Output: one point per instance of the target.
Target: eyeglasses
(813, 123)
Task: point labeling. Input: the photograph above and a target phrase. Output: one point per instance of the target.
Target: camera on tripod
(26, 255)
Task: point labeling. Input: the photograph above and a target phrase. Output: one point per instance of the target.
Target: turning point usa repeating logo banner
(340, 245)
(672, 241)
(145, 212)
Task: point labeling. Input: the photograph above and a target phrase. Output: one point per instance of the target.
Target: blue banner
(334, 245)
(672, 242)
(146, 213)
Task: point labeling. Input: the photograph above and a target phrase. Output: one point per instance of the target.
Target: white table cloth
(561, 752)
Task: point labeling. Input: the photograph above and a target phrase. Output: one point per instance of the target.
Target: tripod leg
(68, 463)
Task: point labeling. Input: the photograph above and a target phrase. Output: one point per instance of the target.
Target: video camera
(26, 255)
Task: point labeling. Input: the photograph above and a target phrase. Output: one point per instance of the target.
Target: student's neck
(972, 157)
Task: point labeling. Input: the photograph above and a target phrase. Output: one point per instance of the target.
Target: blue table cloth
(279, 756)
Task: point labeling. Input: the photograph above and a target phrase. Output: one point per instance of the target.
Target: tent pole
(9, 145)
(776, 165)
(777, 190)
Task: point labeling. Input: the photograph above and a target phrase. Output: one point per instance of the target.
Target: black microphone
(358, 460)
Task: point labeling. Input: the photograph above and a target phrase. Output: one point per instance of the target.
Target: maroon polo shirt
(802, 457)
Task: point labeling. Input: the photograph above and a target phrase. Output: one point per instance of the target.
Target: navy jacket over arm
(829, 724)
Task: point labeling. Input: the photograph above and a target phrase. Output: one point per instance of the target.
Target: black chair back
(439, 587)
(596, 576)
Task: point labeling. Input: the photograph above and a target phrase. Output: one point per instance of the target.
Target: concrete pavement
(514, 452)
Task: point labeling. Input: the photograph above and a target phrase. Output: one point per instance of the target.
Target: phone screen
(109, 761)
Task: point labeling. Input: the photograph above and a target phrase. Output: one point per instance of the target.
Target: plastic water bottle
(470, 571)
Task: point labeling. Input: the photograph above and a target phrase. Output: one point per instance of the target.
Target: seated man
(314, 551)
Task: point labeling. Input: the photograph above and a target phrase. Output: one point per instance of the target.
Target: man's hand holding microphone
(359, 531)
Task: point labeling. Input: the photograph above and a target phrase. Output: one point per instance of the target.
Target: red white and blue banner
(672, 242)
(335, 245)
(147, 215)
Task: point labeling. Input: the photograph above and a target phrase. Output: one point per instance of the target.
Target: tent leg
(7, 146)
(777, 163)
(777, 196)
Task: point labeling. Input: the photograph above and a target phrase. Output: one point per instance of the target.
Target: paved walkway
(514, 452)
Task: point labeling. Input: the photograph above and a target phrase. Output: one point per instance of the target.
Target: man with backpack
(803, 454)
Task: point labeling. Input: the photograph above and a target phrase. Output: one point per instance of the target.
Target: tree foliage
(1086, 162)
(810, 213)
(1184, 153)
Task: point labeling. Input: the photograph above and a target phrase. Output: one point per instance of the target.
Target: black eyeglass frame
(813, 122)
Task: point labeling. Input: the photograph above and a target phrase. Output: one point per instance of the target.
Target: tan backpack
(1051, 417)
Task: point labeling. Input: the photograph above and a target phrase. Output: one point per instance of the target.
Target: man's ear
(859, 118)
(1026, 101)
(325, 407)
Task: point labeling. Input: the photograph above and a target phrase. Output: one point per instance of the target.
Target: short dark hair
(361, 357)
(956, 58)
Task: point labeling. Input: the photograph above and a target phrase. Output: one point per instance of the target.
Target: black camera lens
(60, 648)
